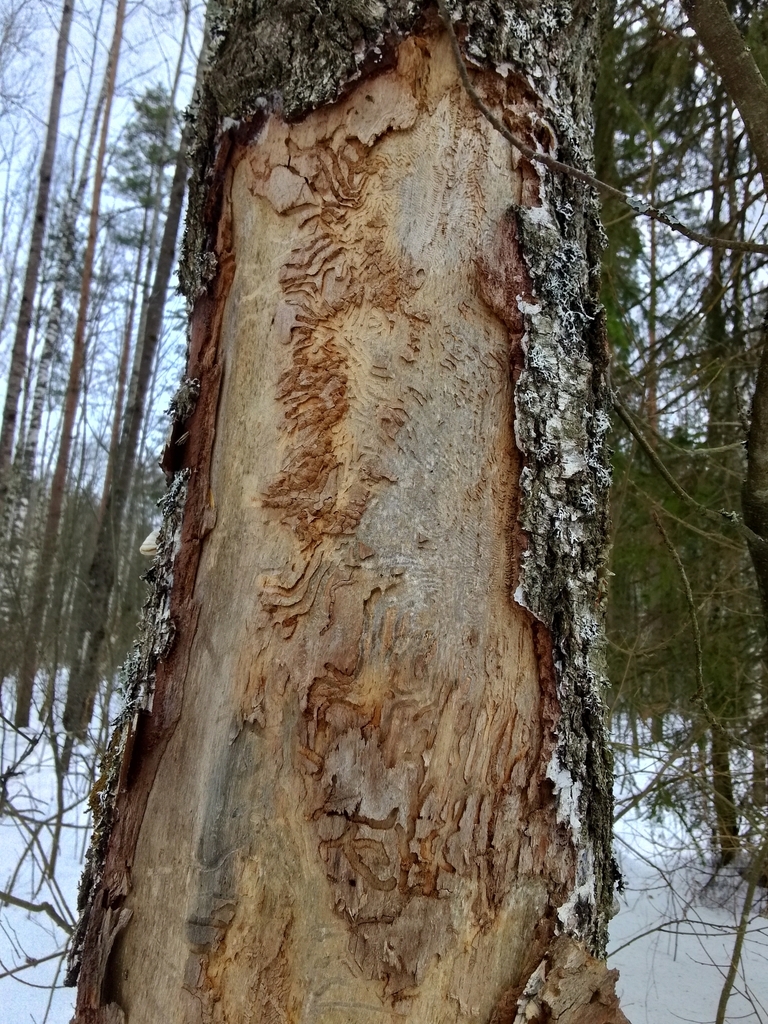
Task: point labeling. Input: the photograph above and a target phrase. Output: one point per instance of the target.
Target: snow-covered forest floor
(673, 939)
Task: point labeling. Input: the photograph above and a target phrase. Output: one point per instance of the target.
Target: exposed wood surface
(344, 814)
(569, 987)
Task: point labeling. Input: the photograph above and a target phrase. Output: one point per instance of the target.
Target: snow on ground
(28, 834)
(672, 942)
(672, 939)
(674, 935)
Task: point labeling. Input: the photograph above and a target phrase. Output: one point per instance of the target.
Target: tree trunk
(117, 416)
(102, 571)
(66, 246)
(19, 351)
(362, 771)
(733, 60)
(84, 677)
(748, 90)
(39, 593)
(726, 814)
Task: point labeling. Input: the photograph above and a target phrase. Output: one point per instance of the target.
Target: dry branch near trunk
(363, 774)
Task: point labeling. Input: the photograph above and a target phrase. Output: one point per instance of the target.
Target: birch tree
(19, 351)
(56, 501)
(92, 627)
(362, 772)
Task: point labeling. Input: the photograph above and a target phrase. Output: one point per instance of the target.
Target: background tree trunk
(99, 586)
(19, 351)
(362, 770)
(39, 590)
(748, 89)
(102, 570)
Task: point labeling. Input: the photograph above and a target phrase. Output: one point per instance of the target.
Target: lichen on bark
(135, 682)
(561, 426)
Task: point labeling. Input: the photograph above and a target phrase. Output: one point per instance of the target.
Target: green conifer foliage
(685, 328)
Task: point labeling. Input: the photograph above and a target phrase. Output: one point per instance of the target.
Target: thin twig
(708, 535)
(755, 870)
(32, 962)
(715, 517)
(676, 754)
(699, 695)
(637, 206)
(39, 908)
(13, 770)
(672, 927)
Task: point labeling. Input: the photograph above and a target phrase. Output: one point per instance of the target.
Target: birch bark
(19, 352)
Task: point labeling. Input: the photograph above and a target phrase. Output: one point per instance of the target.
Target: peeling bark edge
(561, 423)
(268, 57)
(147, 719)
(135, 684)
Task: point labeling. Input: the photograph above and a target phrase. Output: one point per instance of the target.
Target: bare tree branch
(37, 908)
(715, 517)
(32, 962)
(738, 69)
(636, 205)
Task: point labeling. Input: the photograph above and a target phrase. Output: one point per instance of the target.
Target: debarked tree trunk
(362, 773)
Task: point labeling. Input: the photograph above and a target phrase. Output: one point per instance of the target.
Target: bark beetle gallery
(362, 772)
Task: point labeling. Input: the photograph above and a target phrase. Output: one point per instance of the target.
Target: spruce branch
(699, 696)
(726, 515)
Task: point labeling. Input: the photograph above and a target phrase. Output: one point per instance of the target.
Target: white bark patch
(567, 791)
(561, 427)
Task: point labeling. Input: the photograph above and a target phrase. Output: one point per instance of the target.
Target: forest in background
(92, 340)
